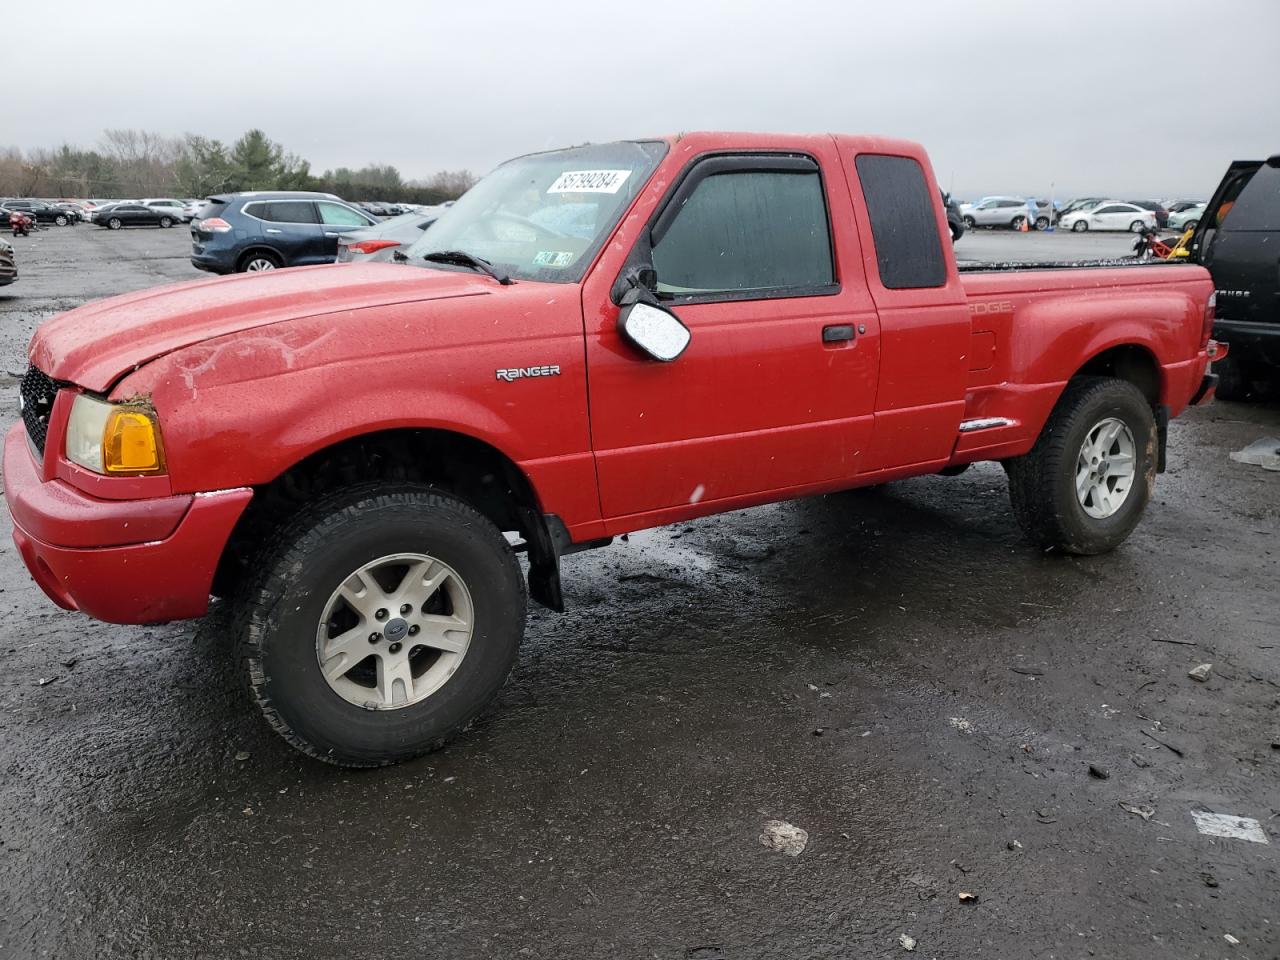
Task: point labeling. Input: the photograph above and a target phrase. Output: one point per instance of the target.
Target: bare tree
(451, 182)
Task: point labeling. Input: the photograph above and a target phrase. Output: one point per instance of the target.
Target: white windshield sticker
(552, 258)
(589, 181)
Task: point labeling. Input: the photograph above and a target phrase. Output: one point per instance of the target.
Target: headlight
(113, 438)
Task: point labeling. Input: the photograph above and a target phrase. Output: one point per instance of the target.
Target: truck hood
(96, 344)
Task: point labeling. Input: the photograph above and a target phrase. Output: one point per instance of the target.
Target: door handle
(273, 230)
(837, 333)
(328, 234)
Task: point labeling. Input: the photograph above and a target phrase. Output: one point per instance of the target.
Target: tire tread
(1033, 476)
(263, 590)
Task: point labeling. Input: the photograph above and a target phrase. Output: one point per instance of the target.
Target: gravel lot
(894, 671)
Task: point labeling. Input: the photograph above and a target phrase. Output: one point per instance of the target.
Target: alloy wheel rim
(260, 263)
(1106, 468)
(394, 631)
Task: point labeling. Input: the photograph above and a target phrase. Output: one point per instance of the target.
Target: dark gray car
(8, 266)
(382, 241)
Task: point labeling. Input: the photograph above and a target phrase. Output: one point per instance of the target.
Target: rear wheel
(969, 223)
(166, 222)
(259, 260)
(379, 622)
(1080, 226)
(1042, 223)
(1137, 226)
(1017, 222)
(1084, 485)
(1190, 225)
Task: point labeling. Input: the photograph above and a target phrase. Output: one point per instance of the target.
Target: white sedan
(1186, 219)
(1111, 215)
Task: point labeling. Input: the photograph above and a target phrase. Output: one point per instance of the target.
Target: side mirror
(653, 330)
(634, 284)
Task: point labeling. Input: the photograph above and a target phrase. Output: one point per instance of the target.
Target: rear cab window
(903, 222)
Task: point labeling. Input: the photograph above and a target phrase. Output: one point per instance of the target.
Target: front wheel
(1084, 485)
(1042, 223)
(384, 619)
(1137, 226)
(1079, 226)
(114, 223)
(1190, 225)
(969, 223)
(60, 219)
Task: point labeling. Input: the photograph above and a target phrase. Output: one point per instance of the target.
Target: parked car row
(42, 211)
(1085, 213)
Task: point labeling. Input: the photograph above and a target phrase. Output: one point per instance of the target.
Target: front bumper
(122, 561)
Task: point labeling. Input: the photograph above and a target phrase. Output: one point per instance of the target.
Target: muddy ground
(894, 671)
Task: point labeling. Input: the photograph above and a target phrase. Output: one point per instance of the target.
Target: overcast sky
(1142, 99)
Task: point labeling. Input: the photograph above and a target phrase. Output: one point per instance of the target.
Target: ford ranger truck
(593, 341)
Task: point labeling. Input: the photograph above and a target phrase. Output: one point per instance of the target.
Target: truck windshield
(544, 216)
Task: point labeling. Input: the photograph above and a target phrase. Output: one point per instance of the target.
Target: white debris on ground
(1138, 810)
(784, 837)
(1231, 827)
(1200, 672)
(1264, 453)
(961, 724)
(908, 943)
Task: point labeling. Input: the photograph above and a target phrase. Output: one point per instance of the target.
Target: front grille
(38, 391)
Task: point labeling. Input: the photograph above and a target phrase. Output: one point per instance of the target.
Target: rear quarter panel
(1033, 330)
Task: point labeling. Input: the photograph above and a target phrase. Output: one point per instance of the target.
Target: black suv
(265, 230)
(1238, 240)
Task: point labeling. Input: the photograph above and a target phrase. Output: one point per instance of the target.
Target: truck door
(777, 386)
(924, 317)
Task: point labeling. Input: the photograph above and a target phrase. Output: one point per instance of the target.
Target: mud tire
(280, 606)
(1042, 482)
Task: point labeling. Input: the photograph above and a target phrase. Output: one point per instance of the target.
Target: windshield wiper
(463, 259)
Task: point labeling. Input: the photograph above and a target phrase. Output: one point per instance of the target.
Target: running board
(985, 423)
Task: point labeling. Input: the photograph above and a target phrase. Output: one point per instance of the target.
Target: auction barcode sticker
(589, 181)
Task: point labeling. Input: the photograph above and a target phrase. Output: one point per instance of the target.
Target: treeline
(138, 163)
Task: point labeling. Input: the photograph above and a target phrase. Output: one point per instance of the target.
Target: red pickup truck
(592, 341)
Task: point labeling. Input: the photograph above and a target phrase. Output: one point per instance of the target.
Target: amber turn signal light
(131, 443)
